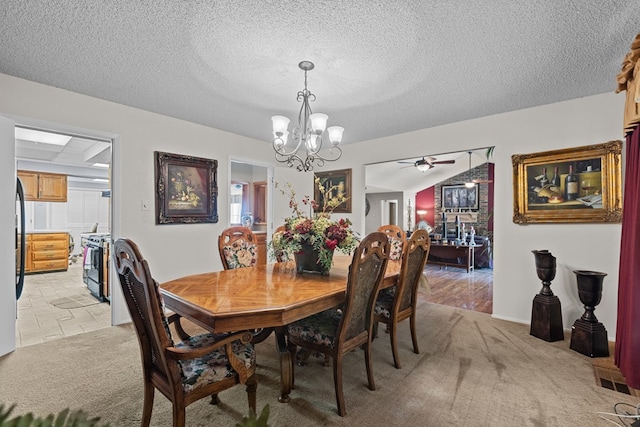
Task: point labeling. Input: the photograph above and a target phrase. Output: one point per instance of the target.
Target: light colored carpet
(472, 371)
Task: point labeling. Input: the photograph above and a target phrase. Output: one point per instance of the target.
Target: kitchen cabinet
(48, 252)
(29, 184)
(261, 247)
(260, 202)
(43, 186)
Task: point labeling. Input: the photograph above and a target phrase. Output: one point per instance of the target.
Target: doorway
(389, 210)
(56, 301)
(250, 195)
(420, 192)
(250, 200)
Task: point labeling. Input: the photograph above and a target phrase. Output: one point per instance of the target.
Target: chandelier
(308, 134)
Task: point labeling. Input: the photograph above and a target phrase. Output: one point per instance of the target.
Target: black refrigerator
(20, 239)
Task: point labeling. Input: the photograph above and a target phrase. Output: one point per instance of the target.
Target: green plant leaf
(64, 418)
(252, 421)
(489, 152)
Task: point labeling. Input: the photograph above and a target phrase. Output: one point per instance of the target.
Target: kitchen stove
(96, 264)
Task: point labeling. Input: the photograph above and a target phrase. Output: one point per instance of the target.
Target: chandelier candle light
(310, 130)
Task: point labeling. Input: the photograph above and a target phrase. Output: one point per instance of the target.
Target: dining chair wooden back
(186, 371)
(238, 248)
(338, 331)
(278, 233)
(398, 303)
(397, 238)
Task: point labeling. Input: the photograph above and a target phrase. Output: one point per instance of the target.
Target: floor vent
(609, 376)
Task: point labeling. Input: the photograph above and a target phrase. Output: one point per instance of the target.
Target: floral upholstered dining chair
(183, 371)
(397, 238)
(238, 248)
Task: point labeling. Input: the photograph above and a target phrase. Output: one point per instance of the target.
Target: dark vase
(590, 292)
(588, 336)
(546, 269)
(546, 312)
(307, 260)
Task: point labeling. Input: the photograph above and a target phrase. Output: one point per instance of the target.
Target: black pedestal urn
(588, 336)
(546, 312)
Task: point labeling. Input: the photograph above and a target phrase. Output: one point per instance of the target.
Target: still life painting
(186, 189)
(580, 184)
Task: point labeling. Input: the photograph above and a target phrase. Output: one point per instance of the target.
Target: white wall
(176, 250)
(376, 215)
(172, 250)
(8, 306)
(585, 121)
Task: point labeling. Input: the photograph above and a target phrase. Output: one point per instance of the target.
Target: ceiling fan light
(469, 184)
(422, 167)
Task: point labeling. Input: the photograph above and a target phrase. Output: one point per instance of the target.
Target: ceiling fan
(475, 181)
(427, 163)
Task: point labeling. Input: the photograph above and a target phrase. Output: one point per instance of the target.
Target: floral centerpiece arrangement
(317, 234)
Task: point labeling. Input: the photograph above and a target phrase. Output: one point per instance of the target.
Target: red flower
(305, 227)
(331, 244)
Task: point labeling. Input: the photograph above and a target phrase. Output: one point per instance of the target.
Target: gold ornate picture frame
(593, 193)
(186, 189)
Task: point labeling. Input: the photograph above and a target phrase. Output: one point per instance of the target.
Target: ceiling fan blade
(482, 181)
(411, 163)
(443, 162)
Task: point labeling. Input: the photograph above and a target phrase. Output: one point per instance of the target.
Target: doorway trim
(119, 311)
(270, 171)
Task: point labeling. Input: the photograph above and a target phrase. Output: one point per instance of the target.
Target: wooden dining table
(266, 296)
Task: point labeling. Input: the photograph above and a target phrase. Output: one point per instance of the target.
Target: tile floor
(39, 320)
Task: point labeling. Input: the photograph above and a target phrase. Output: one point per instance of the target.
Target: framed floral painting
(337, 186)
(186, 189)
(572, 185)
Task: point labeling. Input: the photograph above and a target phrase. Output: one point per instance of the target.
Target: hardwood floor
(455, 287)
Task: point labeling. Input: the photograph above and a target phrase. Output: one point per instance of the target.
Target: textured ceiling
(382, 67)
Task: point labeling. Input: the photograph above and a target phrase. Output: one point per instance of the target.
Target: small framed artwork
(460, 196)
(186, 189)
(336, 186)
(573, 185)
